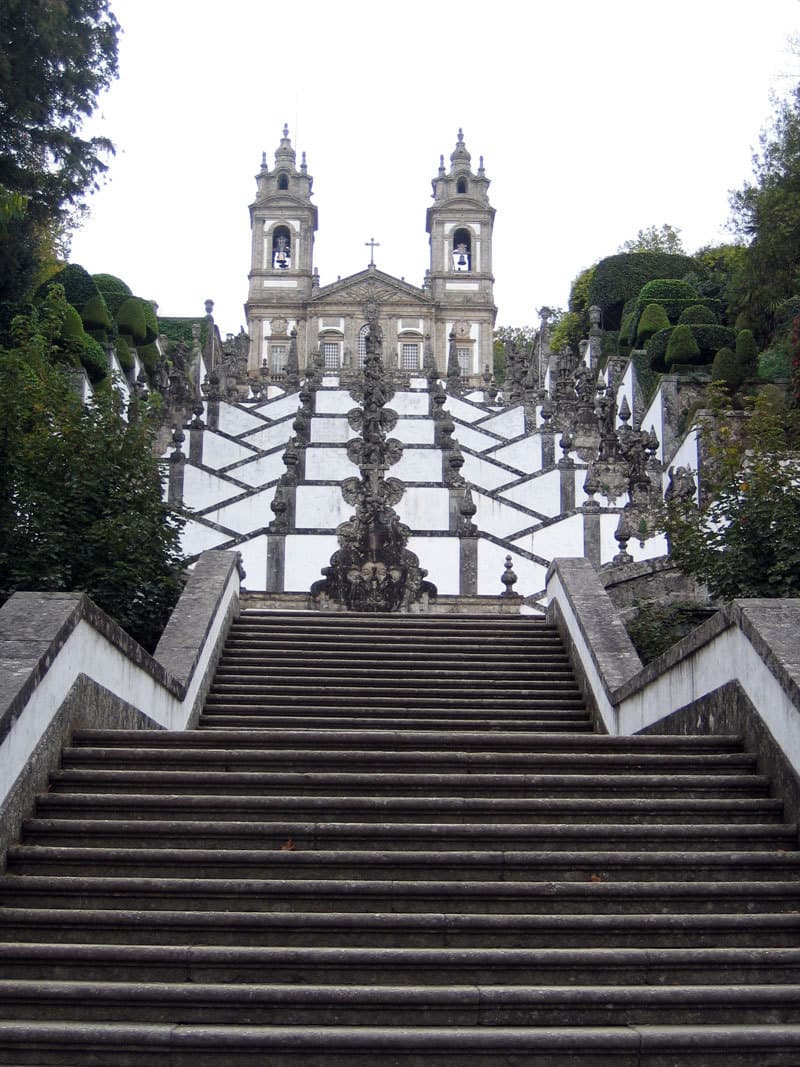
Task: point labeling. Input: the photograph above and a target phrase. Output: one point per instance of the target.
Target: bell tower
(283, 221)
(460, 223)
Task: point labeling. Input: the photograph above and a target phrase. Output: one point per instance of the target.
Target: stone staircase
(396, 840)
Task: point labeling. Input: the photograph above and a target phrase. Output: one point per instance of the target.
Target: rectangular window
(330, 354)
(277, 358)
(409, 357)
(464, 361)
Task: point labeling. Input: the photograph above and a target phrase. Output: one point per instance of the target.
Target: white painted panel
(473, 439)
(440, 556)
(219, 451)
(507, 424)
(414, 431)
(331, 431)
(563, 538)
(306, 555)
(497, 518)
(328, 464)
(462, 412)
(418, 465)
(235, 420)
(201, 489)
(541, 493)
(249, 514)
(280, 283)
(472, 287)
(425, 508)
(418, 383)
(261, 471)
(282, 406)
(686, 456)
(491, 564)
(272, 436)
(330, 380)
(321, 507)
(525, 456)
(484, 473)
(333, 402)
(406, 403)
(254, 561)
(197, 538)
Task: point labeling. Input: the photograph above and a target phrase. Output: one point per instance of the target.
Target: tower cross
(372, 244)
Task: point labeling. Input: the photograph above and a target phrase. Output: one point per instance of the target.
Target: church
(451, 315)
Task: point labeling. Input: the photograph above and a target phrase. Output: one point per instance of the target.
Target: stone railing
(65, 664)
(738, 673)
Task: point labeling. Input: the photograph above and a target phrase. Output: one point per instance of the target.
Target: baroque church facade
(449, 318)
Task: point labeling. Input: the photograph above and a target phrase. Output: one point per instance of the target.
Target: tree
(664, 238)
(80, 490)
(743, 542)
(55, 60)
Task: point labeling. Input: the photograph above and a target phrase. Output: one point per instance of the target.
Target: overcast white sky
(596, 119)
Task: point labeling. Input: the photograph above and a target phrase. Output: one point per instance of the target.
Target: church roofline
(371, 274)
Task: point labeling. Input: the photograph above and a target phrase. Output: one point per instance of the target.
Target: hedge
(124, 354)
(697, 315)
(131, 320)
(79, 286)
(96, 317)
(94, 359)
(619, 278)
(712, 338)
(682, 347)
(113, 289)
(661, 289)
(151, 322)
(652, 319)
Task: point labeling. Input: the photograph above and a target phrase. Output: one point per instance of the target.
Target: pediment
(371, 286)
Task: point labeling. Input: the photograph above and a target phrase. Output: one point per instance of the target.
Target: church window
(409, 356)
(277, 358)
(281, 248)
(462, 251)
(461, 185)
(283, 181)
(464, 360)
(361, 351)
(330, 354)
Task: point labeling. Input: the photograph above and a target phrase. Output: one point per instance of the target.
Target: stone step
(493, 865)
(404, 966)
(413, 929)
(345, 758)
(73, 1044)
(418, 700)
(529, 811)
(398, 783)
(318, 1004)
(406, 835)
(582, 747)
(269, 672)
(230, 716)
(422, 895)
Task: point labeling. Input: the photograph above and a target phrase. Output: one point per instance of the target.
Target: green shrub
(113, 289)
(727, 369)
(72, 329)
(151, 322)
(646, 377)
(746, 352)
(774, 364)
(124, 354)
(79, 286)
(710, 339)
(619, 278)
(653, 319)
(661, 289)
(656, 627)
(149, 355)
(94, 360)
(682, 347)
(180, 329)
(656, 349)
(609, 344)
(96, 317)
(131, 320)
(697, 315)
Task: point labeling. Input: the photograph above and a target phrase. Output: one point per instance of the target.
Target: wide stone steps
(396, 842)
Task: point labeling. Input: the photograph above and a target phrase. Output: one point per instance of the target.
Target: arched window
(361, 351)
(281, 248)
(283, 181)
(462, 251)
(461, 185)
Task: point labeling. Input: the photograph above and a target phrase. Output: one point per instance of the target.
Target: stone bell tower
(283, 221)
(460, 223)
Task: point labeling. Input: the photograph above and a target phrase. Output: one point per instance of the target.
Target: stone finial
(209, 306)
(622, 535)
(509, 579)
(468, 509)
(178, 437)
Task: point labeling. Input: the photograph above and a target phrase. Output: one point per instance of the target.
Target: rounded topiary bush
(72, 331)
(124, 354)
(653, 319)
(726, 369)
(113, 289)
(131, 320)
(711, 339)
(96, 317)
(697, 314)
(682, 347)
(149, 355)
(657, 350)
(747, 352)
(661, 289)
(94, 360)
(151, 322)
(78, 284)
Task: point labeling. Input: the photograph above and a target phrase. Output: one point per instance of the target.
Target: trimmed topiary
(149, 355)
(619, 278)
(96, 317)
(93, 358)
(747, 352)
(151, 322)
(72, 329)
(682, 347)
(657, 350)
(697, 314)
(124, 354)
(653, 319)
(132, 322)
(79, 286)
(726, 369)
(113, 289)
(660, 289)
(710, 339)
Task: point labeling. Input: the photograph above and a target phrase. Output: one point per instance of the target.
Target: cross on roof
(372, 244)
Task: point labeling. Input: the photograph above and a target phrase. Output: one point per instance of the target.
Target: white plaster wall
(492, 563)
(484, 473)
(525, 456)
(246, 515)
(201, 489)
(405, 403)
(254, 561)
(328, 464)
(564, 538)
(271, 436)
(285, 404)
(418, 465)
(197, 538)
(418, 383)
(220, 452)
(424, 508)
(540, 493)
(414, 431)
(330, 381)
(498, 518)
(333, 402)
(321, 507)
(608, 546)
(261, 471)
(474, 439)
(507, 424)
(325, 431)
(440, 556)
(306, 555)
(626, 389)
(462, 412)
(234, 420)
